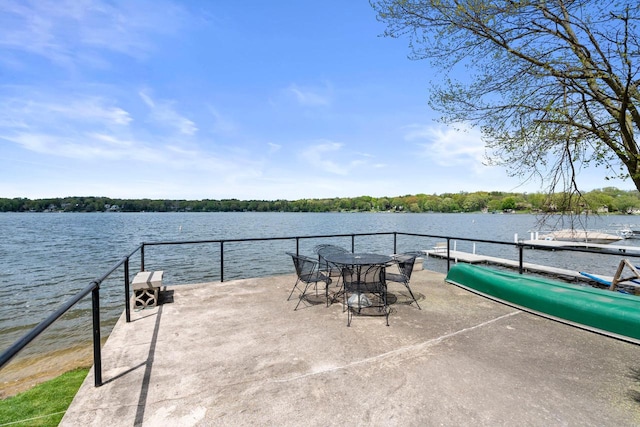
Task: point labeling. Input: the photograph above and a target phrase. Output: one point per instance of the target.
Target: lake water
(47, 258)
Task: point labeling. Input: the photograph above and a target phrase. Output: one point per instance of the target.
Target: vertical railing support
(222, 261)
(127, 303)
(297, 245)
(521, 258)
(97, 358)
(142, 257)
(448, 254)
(395, 241)
(353, 243)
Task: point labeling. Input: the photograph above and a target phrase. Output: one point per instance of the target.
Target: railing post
(222, 261)
(395, 241)
(297, 245)
(127, 303)
(521, 256)
(97, 358)
(448, 254)
(353, 243)
(142, 257)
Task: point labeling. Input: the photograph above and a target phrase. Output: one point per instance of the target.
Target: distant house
(603, 209)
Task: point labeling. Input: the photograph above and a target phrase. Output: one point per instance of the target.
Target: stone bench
(146, 285)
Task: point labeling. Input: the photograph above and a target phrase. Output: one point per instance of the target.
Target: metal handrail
(256, 239)
(94, 289)
(38, 329)
(94, 286)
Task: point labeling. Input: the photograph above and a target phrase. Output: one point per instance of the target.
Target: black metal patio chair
(365, 291)
(307, 274)
(328, 268)
(324, 250)
(405, 263)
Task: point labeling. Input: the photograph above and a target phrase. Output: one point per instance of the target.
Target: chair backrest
(349, 278)
(304, 265)
(370, 278)
(405, 263)
(324, 250)
(329, 249)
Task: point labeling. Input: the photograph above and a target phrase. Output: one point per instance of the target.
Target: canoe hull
(599, 310)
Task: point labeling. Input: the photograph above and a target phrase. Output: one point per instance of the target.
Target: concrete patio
(235, 353)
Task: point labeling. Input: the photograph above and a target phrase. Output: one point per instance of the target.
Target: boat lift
(618, 278)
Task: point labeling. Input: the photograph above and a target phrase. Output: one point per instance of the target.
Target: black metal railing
(94, 287)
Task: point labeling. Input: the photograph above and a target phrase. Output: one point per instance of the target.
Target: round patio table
(358, 259)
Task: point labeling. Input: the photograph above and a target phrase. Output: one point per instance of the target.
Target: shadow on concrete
(144, 390)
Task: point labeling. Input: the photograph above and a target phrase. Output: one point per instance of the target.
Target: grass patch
(44, 404)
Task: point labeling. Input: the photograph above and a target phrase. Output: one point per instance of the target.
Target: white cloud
(38, 109)
(164, 114)
(221, 123)
(328, 156)
(83, 146)
(448, 146)
(93, 128)
(70, 32)
(110, 140)
(323, 156)
(138, 155)
(310, 97)
(273, 148)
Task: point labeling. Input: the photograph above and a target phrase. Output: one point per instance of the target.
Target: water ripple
(47, 258)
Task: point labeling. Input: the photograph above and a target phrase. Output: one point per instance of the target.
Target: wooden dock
(458, 256)
(597, 280)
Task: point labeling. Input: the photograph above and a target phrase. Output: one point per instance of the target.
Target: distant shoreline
(602, 201)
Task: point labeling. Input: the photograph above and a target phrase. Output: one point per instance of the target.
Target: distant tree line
(603, 200)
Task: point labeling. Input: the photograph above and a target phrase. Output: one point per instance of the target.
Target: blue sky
(213, 100)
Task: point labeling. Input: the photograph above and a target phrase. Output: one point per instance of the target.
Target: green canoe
(603, 311)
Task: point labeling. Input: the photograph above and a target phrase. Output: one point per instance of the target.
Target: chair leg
(302, 296)
(326, 293)
(294, 288)
(412, 296)
(336, 294)
(346, 307)
(385, 305)
(326, 290)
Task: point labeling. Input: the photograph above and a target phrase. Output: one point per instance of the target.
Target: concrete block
(146, 286)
